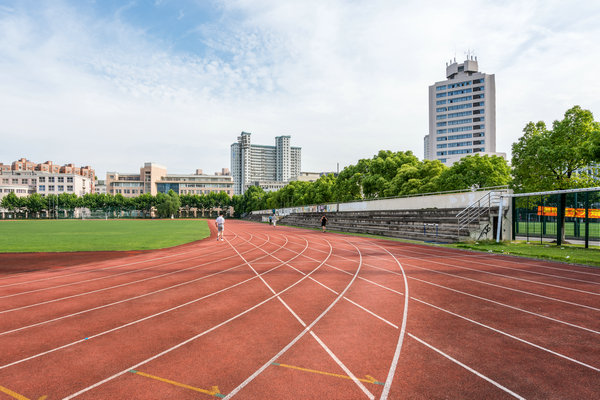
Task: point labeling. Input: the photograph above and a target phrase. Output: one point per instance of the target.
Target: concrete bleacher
(433, 225)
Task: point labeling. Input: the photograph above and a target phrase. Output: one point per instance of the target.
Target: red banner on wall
(569, 212)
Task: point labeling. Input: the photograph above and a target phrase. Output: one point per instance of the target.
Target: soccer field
(98, 235)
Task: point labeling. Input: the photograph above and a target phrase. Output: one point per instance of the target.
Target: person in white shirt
(220, 224)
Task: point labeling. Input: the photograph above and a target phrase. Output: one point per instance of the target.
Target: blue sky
(114, 84)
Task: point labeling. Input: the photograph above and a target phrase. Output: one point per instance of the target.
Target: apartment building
(24, 177)
(462, 114)
(270, 167)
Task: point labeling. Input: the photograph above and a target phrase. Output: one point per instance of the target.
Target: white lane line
(138, 320)
(502, 333)
(372, 313)
(94, 269)
(559, 277)
(500, 275)
(510, 336)
(321, 343)
(133, 298)
(536, 264)
(108, 276)
(392, 371)
(123, 284)
(479, 374)
(508, 306)
(186, 341)
(507, 288)
(482, 298)
(307, 329)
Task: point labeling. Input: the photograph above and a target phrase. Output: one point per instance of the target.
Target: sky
(114, 84)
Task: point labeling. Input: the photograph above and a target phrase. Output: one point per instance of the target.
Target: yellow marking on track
(369, 379)
(12, 394)
(213, 392)
(43, 398)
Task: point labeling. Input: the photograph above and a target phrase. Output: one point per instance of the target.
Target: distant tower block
(462, 113)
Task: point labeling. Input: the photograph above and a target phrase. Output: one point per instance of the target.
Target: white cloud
(344, 78)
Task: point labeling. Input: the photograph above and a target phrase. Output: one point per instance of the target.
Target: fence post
(587, 219)
(515, 223)
(559, 220)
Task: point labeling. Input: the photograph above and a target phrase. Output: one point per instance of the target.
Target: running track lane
(323, 320)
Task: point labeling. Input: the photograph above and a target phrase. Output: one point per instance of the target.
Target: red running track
(284, 313)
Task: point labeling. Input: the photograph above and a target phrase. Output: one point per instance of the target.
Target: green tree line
(165, 204)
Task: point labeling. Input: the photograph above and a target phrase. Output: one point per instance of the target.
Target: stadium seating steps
(434, 225)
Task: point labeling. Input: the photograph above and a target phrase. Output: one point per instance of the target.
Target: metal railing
(477, 209)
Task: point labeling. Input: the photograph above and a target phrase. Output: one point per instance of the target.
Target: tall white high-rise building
(462, 114)
(270, 167)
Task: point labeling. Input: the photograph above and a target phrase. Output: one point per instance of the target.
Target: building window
(460, 129)
(460, 99)
(441, 124)
(61, 179)
(61, 188)
(51, 179)
(15, 181)
(51, 188)
(24, 181)
(440, 109)
(460, 106)
(442, 146)
(42, 188)
(70, 188)
(42, 179)
(442, 138)
(438, 95)
(4, 180)
(69, 179)
(438, 102)
(460, 121)
(441, 117)
(438, 88)
(441, 131)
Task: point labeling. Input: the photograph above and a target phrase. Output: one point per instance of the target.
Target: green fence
(539, 216)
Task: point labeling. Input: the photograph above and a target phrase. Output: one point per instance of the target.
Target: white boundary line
(307, 329)
(185, 341)
(499, 386)
(144, 318)
(482, 298)
(108, 276)
(319, 341)
(499, 275)
(93, 267)
(135, 297)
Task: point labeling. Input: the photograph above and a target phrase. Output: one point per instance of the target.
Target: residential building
(462, 114)
(100, 187)
(24, 183)
(25, 165)
(24, 177)
(270, 167)
(153, 179)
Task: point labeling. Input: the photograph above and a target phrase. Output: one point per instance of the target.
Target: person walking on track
(220, 224)
(324, 223)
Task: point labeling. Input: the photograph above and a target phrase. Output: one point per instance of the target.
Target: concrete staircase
(432, 225)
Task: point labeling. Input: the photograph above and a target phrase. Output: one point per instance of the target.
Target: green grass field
(98, 235)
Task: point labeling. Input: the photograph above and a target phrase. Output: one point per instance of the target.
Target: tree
(555, 159)
(36, 203)
(168, 204)
(477, 171)
(12, 203)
